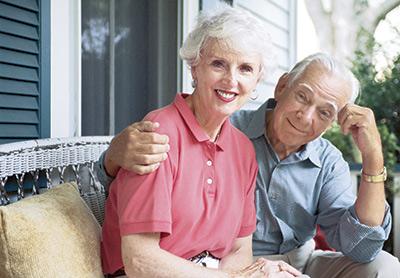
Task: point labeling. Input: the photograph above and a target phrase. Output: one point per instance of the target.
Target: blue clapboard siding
(24, 70)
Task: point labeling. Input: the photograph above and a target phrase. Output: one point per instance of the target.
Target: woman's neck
(209, 122)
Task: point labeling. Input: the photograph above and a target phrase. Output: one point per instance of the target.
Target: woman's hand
(277, 269)
(267, 268)
(254, 270)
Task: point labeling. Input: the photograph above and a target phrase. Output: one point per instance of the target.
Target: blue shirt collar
(310, 152)
(256, 125)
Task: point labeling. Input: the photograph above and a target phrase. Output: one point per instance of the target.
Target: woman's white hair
(237, 28)
(331, 65)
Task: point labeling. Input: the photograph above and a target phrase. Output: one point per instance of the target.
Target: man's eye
(301, 97)
(325, 114)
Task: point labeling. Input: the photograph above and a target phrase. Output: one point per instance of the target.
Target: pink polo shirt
(201, 198)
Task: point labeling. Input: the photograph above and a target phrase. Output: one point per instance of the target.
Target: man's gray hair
(237, 28)
(332, 66)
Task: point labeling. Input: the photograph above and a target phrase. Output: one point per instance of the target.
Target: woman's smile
(226, 96)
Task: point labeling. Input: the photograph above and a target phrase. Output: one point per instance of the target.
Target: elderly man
(303, 180)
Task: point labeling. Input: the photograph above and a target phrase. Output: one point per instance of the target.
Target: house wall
(65, 68)
(280, 17)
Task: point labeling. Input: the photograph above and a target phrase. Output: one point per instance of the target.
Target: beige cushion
(53, 234)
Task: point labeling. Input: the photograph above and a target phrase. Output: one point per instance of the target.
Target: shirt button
(209, 162)
(209, 181)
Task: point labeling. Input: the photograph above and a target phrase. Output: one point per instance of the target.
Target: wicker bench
(35, 168)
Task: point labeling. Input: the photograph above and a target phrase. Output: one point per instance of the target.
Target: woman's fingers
(273, 267)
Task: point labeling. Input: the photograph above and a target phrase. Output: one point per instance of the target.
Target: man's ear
(281, 86)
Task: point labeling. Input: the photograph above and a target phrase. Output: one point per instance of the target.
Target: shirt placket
(275, 197)
(209, 164)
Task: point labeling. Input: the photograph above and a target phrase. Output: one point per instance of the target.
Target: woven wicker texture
(59, 160)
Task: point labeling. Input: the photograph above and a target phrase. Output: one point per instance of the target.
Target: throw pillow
(53, 234)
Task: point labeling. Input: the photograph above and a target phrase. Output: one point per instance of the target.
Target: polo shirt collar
(194, 126)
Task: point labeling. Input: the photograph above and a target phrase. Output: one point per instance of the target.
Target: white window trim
(188, 13)
(65, 68)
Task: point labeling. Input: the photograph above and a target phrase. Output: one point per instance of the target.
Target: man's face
(307, 107)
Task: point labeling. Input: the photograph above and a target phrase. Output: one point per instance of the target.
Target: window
(129, 61)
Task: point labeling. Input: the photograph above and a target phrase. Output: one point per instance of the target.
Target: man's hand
(137, 148)
(360, 122)
(370, 202)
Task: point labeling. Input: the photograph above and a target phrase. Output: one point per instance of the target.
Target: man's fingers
(148, 159)
(146, 126)
(153, 138)
(151, 149)
(350, 122)
(144, 169)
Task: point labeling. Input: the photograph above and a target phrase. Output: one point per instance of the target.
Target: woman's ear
(281, 86)
(193, 72)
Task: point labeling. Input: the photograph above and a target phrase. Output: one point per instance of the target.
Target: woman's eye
(246, 68)
(217, 64)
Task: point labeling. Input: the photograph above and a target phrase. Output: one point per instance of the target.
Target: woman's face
(225, 78)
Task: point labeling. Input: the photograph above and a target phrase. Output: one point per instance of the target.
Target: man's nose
(306, 114)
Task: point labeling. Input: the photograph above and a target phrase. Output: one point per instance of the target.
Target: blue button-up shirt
(309, 187)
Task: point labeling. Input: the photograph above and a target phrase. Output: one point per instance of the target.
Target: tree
(340, 24)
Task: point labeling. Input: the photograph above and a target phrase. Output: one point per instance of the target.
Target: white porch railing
(355, 173)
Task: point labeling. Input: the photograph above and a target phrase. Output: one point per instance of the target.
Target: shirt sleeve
(249, 212)
(144, 201)
(101, 173)
(338, 219)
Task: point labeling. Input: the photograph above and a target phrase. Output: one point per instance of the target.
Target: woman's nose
(231, 78)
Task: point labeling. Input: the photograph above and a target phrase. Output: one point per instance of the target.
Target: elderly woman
(198, 207)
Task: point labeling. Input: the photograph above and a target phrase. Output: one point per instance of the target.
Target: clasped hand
(267, 268)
